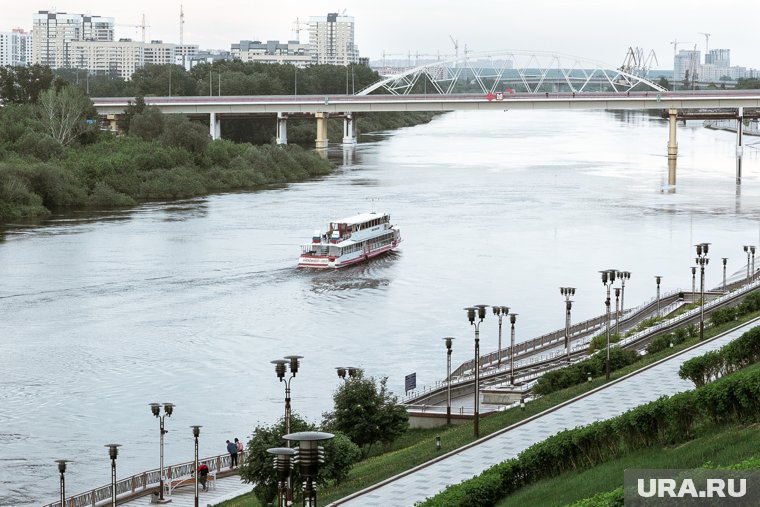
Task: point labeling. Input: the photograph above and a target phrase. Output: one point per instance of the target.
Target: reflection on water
(188, 301)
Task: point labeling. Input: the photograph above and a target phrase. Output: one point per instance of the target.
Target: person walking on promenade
(239, 446)
(203, 475)
(232, 449)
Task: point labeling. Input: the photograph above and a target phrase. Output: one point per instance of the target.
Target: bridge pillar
(282, 128)
(214, 126)
(349, 129)
(321, 140)
(672, 146)
(739, 145)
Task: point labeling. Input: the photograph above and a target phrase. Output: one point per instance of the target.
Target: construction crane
(707, 40)
(456, 47)
(297, 27)
(181, 24)
(636, 64)
(142, 26)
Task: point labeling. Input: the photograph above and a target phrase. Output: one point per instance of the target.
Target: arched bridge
(520, 71)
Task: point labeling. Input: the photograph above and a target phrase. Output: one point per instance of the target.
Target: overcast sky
(598, 30)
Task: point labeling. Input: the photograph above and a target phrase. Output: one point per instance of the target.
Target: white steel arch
(518, 70)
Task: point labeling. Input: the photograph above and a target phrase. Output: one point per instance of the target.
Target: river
(188, 302)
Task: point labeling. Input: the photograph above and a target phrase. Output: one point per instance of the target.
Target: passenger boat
(350, 240)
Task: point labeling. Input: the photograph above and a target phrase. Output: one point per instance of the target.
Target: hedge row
(612, 498)
(578, 373)
(732, 357)
(677, 337)
(665, 421)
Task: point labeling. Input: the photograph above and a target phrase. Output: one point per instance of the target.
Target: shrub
(723, 315)
(38, 145)
(733, 356)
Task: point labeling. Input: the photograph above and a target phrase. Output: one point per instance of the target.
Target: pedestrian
(232, 449)
(239, 446)
(203, 475)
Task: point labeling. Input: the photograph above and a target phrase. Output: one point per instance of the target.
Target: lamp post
(471, 316)
(746, 249)
(617, 311)
(283, 463)
(113, 452)
(62, 470)
(512, 320)
(725, 260)
(280, 366)
(448, 340)
(155, 409)
(350, 370)
(702, 261)
(310, 455)
(567, 292)
(608, 278)
(499, 311)
(693, 282)
(623, 275)
(196, 434)
(750, 249)
(658, 279)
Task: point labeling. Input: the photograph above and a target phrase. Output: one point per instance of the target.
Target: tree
(63, 112)
(23, 85)
(340, 455)
(367, 412)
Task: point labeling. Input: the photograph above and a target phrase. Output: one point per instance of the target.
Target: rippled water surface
(189, 301)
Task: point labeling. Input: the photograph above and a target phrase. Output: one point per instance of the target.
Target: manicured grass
(418, 446)
(720, 446)
(247, 500)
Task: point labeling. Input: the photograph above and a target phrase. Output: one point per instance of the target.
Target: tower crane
(707, 40)
(142, 26)
(297, 27)
(456, 47)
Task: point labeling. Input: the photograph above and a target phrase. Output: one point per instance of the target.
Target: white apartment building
(53, 32)
(116, 58)
(185, 53)
(15, 48)
(717, 65)
(272, 51)
(331, 40)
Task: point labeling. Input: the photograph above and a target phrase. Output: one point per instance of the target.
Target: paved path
(226, 488)
(603, 403)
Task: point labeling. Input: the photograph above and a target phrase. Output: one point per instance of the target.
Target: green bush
(733, 356)
(38, 145)
(578, 373)
(612, 498)
(723, 315)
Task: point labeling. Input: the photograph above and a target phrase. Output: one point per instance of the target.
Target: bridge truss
(507, 71)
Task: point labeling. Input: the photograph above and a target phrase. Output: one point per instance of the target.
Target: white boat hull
(330, 262)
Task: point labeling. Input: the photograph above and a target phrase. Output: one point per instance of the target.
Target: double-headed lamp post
(448, 341)
(280, 367)
(113, 452)
(702, 261)
(750, 249)
(351, 371)
(476, 314)
(283, 463)
(567, 292)
(623, 275)
(608, 278)
(196, 434)
(512, 320)
(310, 455)
(658, 279)
(155, 409)
(62, 470)
(499, 311)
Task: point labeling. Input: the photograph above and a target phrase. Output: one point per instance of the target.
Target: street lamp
(310, 455)
(567, 292)
(725, 260)
(155, 409)
(658, 278)
(623, 275)
(750, 249)
(702, 261)
(481, 314)
(512, 320)
(196, 434)
(350, 370)
(283, 463)
(617, 311)
(693, 282)
(113, 452)
(608, 278)
(499, 311)
(448, 340)
(62, 470)
(280, 366)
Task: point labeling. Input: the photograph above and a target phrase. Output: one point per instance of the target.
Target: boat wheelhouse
(350, 240)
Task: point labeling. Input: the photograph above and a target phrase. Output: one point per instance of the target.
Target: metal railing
(140, 483)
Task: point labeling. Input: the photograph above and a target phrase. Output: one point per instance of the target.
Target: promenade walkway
(601, 403)
(226, 488)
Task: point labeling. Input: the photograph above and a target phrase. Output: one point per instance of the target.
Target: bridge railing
(141, 483)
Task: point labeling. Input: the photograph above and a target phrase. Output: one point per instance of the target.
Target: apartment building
(15, 48)
(331, 40)
(53, 33)
(272, 51)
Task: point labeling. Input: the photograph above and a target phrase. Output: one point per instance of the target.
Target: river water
(188, 302)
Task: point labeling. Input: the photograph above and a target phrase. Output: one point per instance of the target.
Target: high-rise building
(719, 57)
(53, 33)
(272, 51)
(686, 63)
(331, 40)
(15, 48)
(113, 58)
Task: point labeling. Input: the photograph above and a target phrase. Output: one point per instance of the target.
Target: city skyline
(589, 29)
